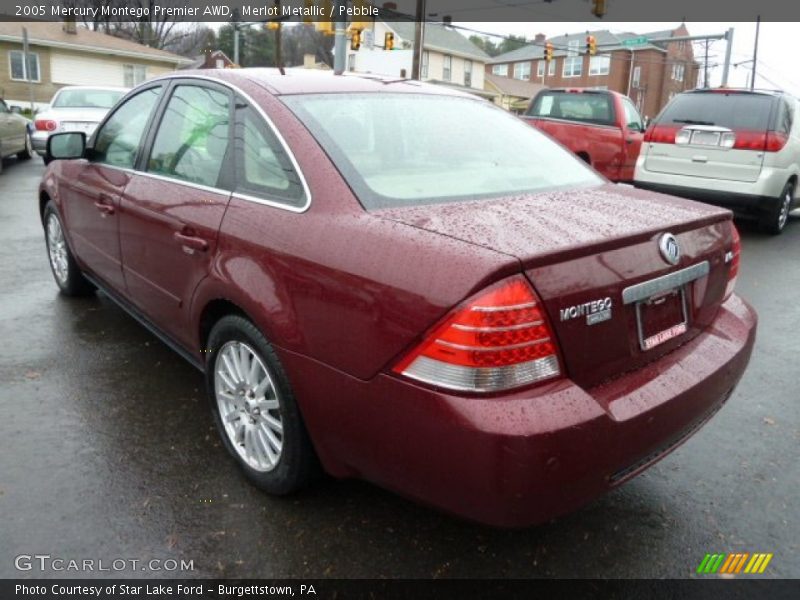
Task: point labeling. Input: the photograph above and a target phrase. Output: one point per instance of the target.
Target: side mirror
(63, 146)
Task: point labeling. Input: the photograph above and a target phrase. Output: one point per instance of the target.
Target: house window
(573, 63)
(637, 76)
(134, 74)
(522, 70)
(19, 70)
(468, 73)
(540, 68)
(551, 68)
(426, 59)
(447, 68)
(501, 70)
(600, 65)
(678, 71)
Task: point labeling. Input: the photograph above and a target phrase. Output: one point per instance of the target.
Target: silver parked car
(14, 135)
(734, 148)
(74, 108)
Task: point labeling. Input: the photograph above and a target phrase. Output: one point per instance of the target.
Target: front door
(92, 188)
(172, 209)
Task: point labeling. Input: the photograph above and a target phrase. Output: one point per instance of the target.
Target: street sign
(637, 41)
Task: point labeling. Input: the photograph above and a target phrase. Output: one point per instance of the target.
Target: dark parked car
(14, 135)
(402, 283)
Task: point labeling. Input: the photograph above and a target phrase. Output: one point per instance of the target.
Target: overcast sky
(777, 58)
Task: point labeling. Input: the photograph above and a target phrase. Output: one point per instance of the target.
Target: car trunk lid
(584, 248)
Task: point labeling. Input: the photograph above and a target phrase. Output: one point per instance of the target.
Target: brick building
(650, 73)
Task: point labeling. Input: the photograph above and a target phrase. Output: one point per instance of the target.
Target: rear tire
(28, 152)
(775, 221)
(65, 270)
(255, 410)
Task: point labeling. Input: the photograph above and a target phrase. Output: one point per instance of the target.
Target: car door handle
(191, 241)
(104, 206)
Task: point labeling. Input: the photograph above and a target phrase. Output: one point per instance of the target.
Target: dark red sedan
(402, 283)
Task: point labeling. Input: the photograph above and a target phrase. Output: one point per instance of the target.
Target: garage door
(68, 69)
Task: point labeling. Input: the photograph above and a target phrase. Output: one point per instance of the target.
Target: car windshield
(86, 98)
(737, 111)
(410, 149)
(574, 106)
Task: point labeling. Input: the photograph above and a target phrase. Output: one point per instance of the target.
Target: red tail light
(735, 252)
(661, 134)
(497, 340)
(770, 141)
(45, 125)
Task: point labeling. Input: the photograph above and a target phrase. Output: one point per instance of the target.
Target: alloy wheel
(57, 249)
(249, 405)
(783, 216)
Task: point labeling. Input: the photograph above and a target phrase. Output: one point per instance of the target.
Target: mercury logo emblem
(670, 249)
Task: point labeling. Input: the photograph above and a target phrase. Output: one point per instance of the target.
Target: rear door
(717, 135)
(173, 206)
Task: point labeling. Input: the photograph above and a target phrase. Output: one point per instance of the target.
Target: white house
(448, 59)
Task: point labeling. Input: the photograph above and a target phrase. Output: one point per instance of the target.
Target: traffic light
(598, 8)
(591, 45)
(548, 51)
(355, 40)
(388, 41)
(273, 25)
(361, 9)
(326, 25)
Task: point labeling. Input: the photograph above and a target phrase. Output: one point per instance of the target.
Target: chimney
(540, 38)
(70, 26)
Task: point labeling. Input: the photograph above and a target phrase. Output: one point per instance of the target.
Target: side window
(118, 141)
(3, 107)
(263, 168)
(632, 118)
(191, 143)
(785, 118)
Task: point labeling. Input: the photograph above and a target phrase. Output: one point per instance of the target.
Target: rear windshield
(735, 111)
(574, 106)
(410, 149)
(87, 99)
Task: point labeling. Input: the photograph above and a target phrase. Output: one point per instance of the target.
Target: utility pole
(340, 41)
(727, 66)
(236, 36)
(27, 66)
(755, 53)
(419, 41)
(705, 67)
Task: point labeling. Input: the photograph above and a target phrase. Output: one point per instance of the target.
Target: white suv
(734, 148)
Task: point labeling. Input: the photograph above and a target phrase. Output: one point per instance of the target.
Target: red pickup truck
(600, 126)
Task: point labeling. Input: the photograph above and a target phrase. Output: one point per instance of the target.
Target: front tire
(255, 410)
(65, 270)
(775, 221)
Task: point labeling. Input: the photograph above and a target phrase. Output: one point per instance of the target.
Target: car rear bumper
(742, 197)
(522, 458)
(39, 141)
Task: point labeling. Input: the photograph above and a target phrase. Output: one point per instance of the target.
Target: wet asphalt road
(107, 450)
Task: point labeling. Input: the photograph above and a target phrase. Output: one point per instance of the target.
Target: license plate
(661, 318)
(84, 127)
(705, 138)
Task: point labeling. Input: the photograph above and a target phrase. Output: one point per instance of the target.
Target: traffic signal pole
(340, 41)
(419, 41)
